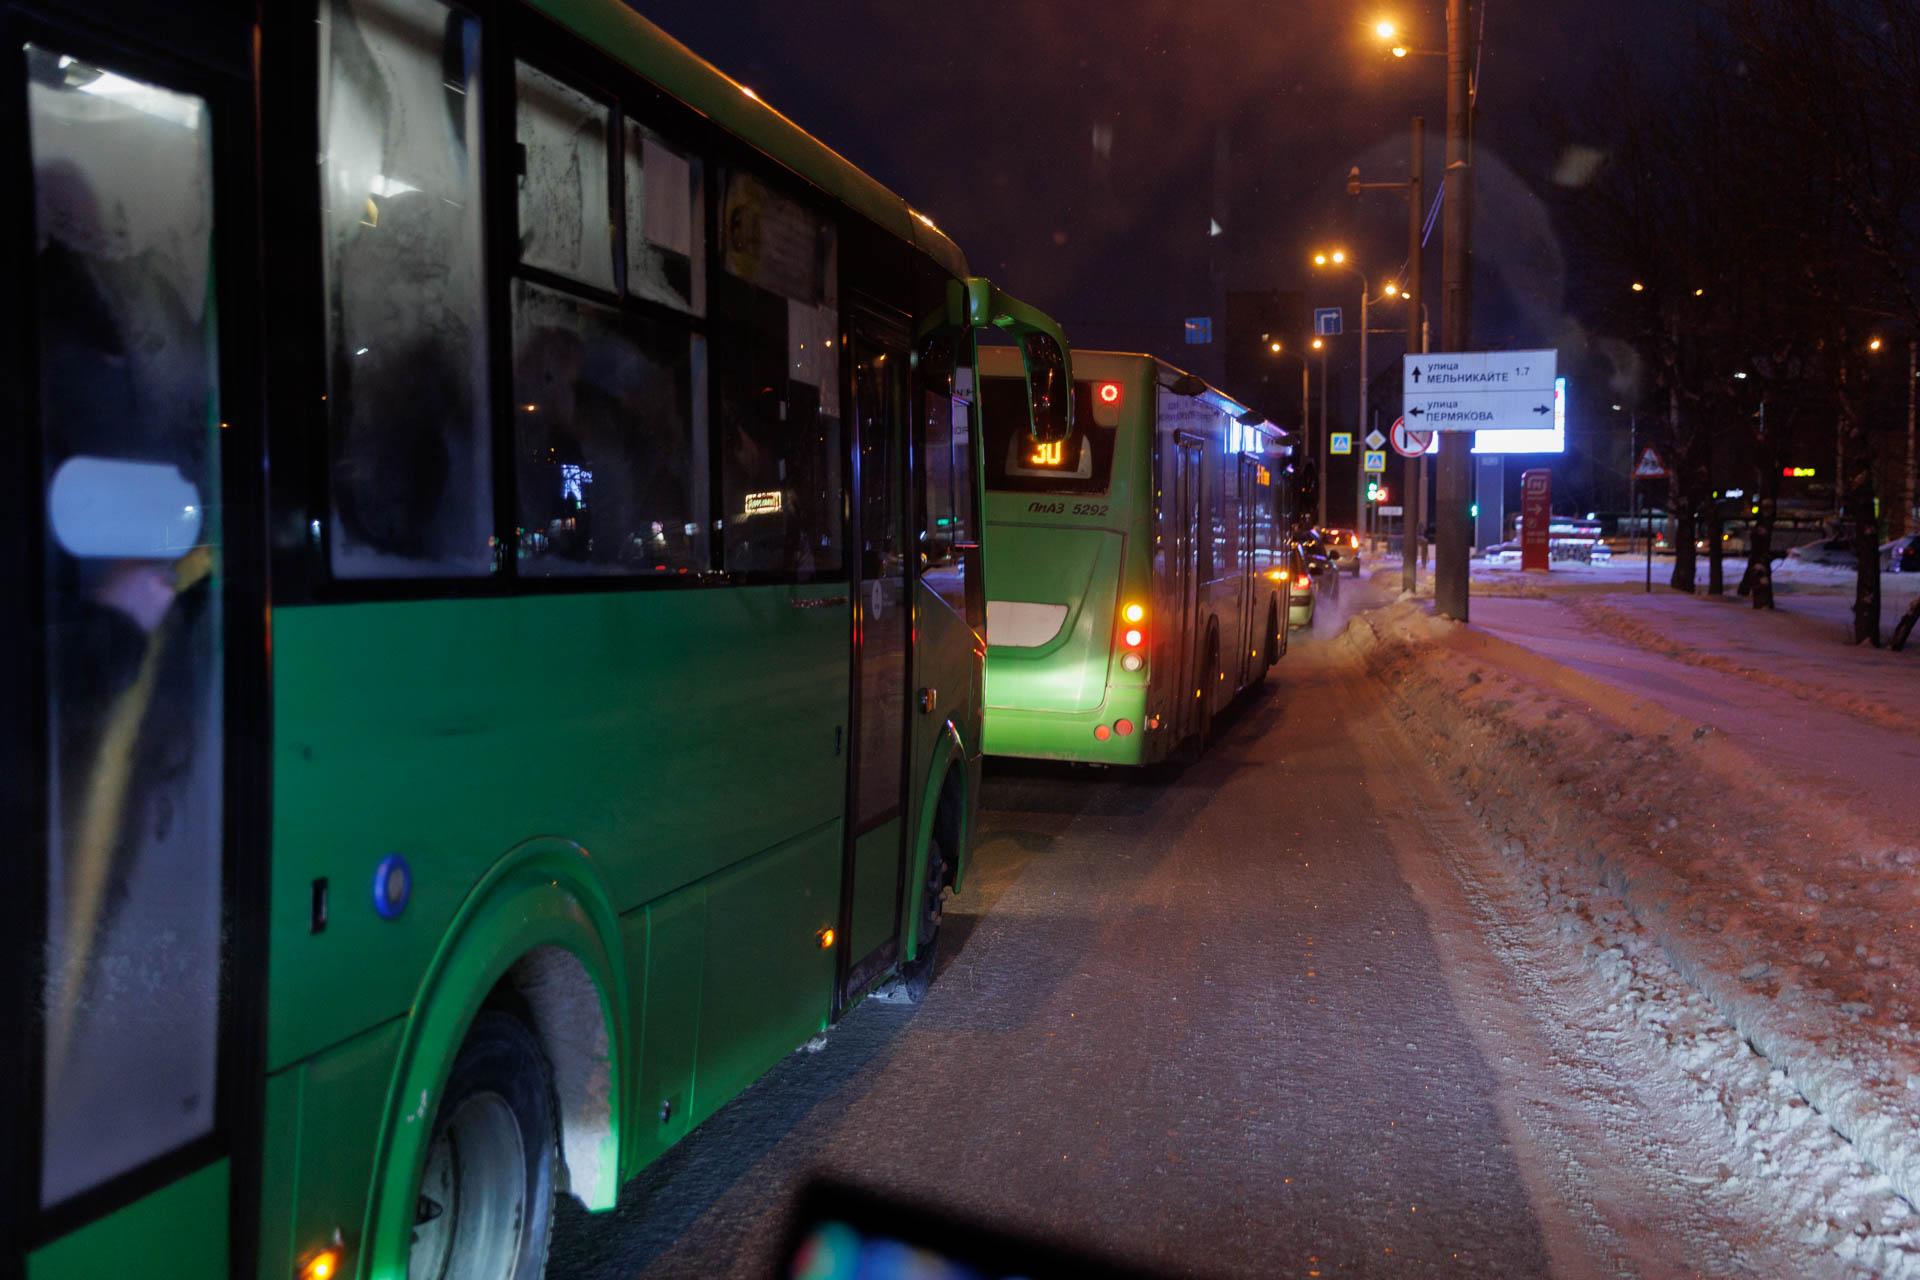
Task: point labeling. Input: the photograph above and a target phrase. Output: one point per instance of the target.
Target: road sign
(1480, 390)
(1326, 321)
(1342, 442)
(1199, 331)
(1408, 442)
(1536, 516)
(1375, 440)
(1374, 460)
(1393, 511)
(1650, 467)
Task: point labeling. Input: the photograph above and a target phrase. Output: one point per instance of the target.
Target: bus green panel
(323, 1123)
(177, 1233)
(876, 887)
(768, 980)
(670, 733)
(1078, 568)
(674, 932)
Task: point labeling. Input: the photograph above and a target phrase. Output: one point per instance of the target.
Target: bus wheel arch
(943, 824)
(537, 938)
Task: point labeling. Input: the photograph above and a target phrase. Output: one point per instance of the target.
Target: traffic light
(1376, 492)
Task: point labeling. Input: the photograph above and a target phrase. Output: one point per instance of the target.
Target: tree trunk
(1685, 560)
(1860, 516)
(1716, 550)
(1760, 557)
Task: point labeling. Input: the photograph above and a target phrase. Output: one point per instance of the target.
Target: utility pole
(1360, 426)
(1451, 567)
(1415, 469)
(1908, 512)
(1326, 457)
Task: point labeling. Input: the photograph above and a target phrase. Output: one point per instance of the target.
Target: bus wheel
(485, 1208)
(917, 974)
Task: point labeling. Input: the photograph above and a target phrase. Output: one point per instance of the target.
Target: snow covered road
(1297, 1010)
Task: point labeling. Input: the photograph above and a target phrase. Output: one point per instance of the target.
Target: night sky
(1080, 151)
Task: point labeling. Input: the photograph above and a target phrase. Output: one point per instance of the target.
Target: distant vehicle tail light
(1278, 575)
(1353, 540)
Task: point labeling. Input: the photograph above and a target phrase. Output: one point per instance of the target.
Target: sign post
(1536, 517)
(1649, 467)
(1459, 391)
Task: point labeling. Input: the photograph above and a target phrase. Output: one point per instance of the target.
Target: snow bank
(1798, 921)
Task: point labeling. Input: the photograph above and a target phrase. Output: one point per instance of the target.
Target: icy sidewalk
(1707, 802)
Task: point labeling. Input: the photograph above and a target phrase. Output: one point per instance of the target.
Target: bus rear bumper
(1075, 735)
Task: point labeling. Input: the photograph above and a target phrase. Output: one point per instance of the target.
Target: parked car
(1302, 591)
(1837, 552)
(1902, 555)
(1343, 546)
(1504, 554)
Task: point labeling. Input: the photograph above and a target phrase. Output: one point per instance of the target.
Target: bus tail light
(1131, 661)
(1134, 638)
(324, 1265)
(1135, 613)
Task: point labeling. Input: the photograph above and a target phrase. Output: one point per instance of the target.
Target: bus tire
(916, 975)
(486, 1193)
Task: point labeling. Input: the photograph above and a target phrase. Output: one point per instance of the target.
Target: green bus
(497, 614)
(1139, 569)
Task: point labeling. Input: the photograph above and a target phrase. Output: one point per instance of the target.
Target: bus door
(1250, 495)
(882, 631)
(1187, 534)
(130, 656)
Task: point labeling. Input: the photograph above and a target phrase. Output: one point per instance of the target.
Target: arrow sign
(1479, 390)
(1650, 467)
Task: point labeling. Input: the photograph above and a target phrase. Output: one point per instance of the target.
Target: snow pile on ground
(1797, 920)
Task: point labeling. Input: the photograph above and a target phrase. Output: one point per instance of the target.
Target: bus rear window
(1082, 463)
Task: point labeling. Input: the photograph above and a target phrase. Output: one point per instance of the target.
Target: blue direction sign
(1199, 330)
(1342, 442)
(1326, 321)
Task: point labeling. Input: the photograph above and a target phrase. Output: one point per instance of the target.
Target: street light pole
(1325, 441)
(1414, 472)
(1451, 564)
(1360, 428)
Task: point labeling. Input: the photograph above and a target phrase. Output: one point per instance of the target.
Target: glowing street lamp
(1385, 29)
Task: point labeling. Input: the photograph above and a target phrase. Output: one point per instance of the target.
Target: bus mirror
(1048, 390)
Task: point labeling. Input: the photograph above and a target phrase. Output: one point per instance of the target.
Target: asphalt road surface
(1239, 1020)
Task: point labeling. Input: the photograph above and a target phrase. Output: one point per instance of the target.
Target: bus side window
(776, 378)
(946, 450)
(610, 433)
(128, 380)
(564, 200)
(408, 429)
(606, 439)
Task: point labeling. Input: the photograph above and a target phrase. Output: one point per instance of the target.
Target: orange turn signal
(324, 1265)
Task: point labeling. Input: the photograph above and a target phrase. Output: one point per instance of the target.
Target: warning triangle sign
(1650, 467)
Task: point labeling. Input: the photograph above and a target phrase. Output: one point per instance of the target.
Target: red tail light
(1134, 638)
